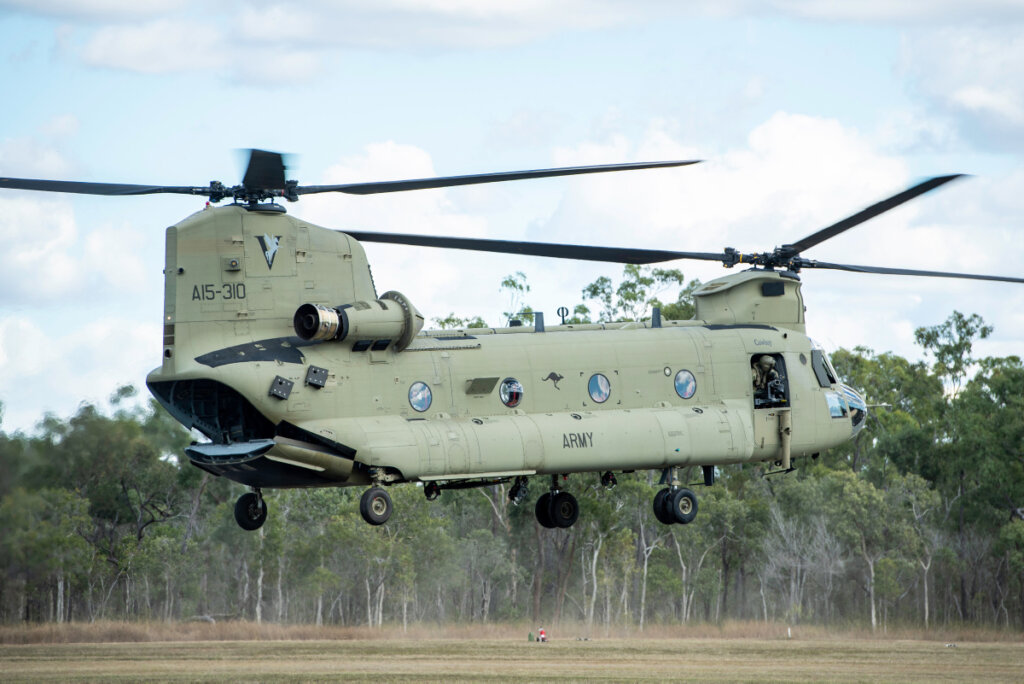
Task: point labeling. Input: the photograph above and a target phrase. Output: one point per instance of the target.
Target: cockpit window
(822, 370)
(836, 405)
(858, 407)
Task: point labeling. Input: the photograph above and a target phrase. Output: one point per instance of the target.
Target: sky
(803, 111)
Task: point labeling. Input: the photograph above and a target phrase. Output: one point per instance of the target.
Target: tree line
(919, 521)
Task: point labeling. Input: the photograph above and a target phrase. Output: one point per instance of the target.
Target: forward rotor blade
(81, 188)
(475, 179)
(906, 271)
(869, 213)
(620, 255)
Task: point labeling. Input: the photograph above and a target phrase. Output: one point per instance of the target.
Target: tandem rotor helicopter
(278, 348)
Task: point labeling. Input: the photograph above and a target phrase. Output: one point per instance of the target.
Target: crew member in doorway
(768, 388)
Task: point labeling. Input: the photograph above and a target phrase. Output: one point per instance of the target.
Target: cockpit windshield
(858, 407)
(823, 370)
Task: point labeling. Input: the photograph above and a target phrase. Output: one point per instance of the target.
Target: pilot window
(771, 384)
(837, 407)
(822, 371)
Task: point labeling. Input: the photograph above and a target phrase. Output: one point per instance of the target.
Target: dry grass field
(296, 654)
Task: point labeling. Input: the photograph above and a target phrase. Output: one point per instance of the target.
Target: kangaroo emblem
(554, 378)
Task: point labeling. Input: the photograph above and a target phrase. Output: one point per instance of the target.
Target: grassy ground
(462, 658)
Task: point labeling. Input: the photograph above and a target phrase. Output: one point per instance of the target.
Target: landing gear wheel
(682, 504)
(250, 511)
(564, 509)
(431, 490)
(543, 510)
(375, 506)
(661, 509)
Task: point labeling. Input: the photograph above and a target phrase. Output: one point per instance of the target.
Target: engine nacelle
(389, 321)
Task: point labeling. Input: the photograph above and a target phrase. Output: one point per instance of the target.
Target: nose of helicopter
(858, 409)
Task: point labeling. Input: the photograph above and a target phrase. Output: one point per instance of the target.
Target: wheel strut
(518, 491)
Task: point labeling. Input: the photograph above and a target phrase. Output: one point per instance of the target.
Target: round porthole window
(599, 387)
(686, 384)
(511, 392)
(420, 396)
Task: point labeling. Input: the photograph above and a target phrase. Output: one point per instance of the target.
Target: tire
(250, 511)
(543, 510)
(683, 505)
(661, 509)
(375, 506)
(564, 509)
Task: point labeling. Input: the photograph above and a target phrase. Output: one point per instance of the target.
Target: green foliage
(636, 294)
(951, 344)
(451, 322)
(515, 287)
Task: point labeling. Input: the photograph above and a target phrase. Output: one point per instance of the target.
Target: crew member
(767, 381)
(763, 372)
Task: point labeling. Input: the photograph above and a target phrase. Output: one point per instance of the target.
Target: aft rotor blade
(475, 179)
(870, 212)
(907, 271)
(81, 188)
(620, 255)
(265, 170)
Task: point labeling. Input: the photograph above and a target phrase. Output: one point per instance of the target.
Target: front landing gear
(251, 511)
(556, 508)
(681, 504)
(676, 504)
(375, 506)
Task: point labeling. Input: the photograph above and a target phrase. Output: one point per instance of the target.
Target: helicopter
(279, 350)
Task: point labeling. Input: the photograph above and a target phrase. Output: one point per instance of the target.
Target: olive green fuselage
(466, 404)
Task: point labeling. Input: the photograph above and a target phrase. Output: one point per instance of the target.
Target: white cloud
(36, 264)
(157, 47)
(984, 100)
(46, 368)
(427, 276)
(111, 10)
(776, 189)
(273, 65)
(905, 11)
(972, 73)
(427, 23)
(28, 158)
(798, 174)
(47, 260)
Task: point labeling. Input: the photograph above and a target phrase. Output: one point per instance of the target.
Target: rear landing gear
(375, 506)
(557, 508)
(251, 510)
(543, 510)
(564, 509)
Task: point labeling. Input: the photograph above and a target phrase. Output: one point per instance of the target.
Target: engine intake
(392, 319)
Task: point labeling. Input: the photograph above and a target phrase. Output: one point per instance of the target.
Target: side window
(821, 369)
